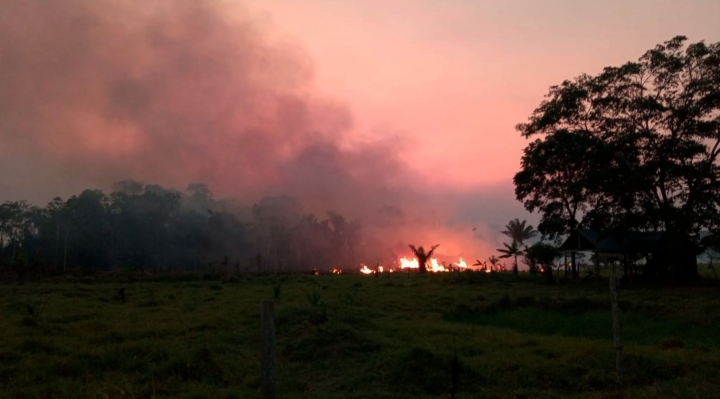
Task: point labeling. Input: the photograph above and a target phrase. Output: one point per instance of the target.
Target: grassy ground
(355, 336)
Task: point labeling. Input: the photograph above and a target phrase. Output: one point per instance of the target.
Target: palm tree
(493, 262)
(478, 262)
(511, 250)
(423, 257)
(518, 231)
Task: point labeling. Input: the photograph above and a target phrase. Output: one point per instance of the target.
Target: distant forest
(150, 228)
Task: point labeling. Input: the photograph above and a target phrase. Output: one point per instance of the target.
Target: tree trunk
(57, 246)
(67, 232)
(12, 256)
(626, 267)
(597, 265)
(113, 258)
(711, 267)
(547, 271)
(574, 267)
(421, 265)
(684, 265)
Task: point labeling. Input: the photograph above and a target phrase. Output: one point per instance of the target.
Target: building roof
(628, 242)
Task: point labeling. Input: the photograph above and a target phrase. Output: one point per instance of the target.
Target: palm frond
(509, 250)
(429, 254)
(519, 231)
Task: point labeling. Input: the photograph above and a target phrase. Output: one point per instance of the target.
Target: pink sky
(454, 77)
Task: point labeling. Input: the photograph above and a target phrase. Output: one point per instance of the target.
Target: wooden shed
(665, 252)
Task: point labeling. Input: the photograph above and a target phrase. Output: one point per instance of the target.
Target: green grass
(353, 336)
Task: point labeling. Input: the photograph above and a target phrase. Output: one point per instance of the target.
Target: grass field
(355, 336)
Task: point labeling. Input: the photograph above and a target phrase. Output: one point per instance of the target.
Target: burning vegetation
(149, 228)
(422, 262)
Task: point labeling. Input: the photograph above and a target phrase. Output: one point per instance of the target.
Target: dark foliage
(148, 228)
(633, 148)
(542, 255)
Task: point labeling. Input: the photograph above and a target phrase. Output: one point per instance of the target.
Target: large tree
(633, 148)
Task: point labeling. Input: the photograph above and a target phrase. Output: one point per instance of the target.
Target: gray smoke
(181, 91)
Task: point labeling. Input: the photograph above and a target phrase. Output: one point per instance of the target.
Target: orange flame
(406, 263)
(436, 267)
(336, 271)
(433, 265)
(461, 264)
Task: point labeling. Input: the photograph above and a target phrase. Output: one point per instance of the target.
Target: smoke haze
(174, 92)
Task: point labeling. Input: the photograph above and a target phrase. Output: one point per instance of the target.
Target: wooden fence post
(616, 333)
(268, 350)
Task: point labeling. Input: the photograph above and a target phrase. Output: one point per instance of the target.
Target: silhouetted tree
(13, 223)
(511, 251)
(274, 218)
(55, 229)
(542, 255)
(493, 262)
(633, 148)
(423, 256)
(143, 227)
(480, 263)
(89, 230)
(518, 231)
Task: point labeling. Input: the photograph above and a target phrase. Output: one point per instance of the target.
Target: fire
(380, 269)
(433, 265)
(436, 267)
(406, 263)
(336, 271)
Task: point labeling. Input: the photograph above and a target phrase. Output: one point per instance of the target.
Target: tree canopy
(633, 148)
(148, 227)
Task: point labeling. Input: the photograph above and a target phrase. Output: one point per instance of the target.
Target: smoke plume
(181, 91)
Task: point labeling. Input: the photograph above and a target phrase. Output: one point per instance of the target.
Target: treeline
(152, 228)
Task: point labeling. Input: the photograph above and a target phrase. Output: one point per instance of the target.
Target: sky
(373, 107)
(456, 76)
